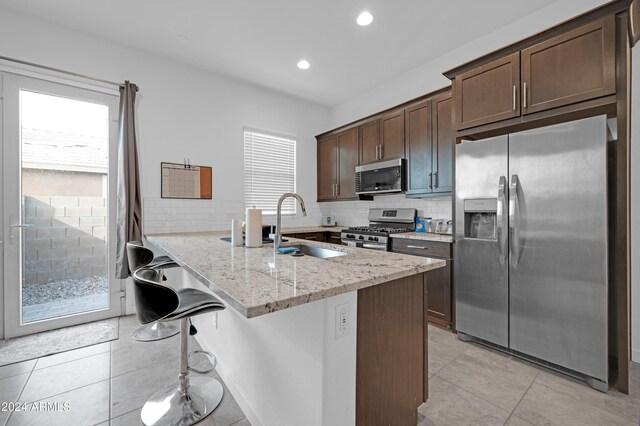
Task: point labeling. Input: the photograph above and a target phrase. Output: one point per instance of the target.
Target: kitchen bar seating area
(226, 215)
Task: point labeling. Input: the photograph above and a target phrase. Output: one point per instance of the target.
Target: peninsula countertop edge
(255, 281)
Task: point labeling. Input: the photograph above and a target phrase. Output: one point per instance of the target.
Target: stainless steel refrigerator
(531, 245)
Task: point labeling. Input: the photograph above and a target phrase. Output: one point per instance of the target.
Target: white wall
(635, 206)
(181, 111)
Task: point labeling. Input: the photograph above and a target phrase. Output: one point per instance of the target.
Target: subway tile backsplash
(163, 215)
(355, 213)
(167, 215)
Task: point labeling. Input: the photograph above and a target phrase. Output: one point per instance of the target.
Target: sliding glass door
(59, 153)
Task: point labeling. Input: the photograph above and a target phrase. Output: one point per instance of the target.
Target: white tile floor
(468, 385)
(472, 385)
(104, 384)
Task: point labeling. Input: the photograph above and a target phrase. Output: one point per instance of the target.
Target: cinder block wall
(67, 240)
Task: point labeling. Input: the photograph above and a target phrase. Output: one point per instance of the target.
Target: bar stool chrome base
(183, 405)
(156, 330)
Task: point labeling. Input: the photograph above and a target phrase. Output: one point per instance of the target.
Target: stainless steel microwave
(382, 177)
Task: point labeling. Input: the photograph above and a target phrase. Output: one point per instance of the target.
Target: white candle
(236, 232)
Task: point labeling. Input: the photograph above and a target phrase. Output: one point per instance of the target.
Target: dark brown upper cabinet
(418, 140)
(337, 161)
(327, 167)
(382, 138)
(347, 162)
(443, 143)
(392, 136)
(488, 93)
(370, 141)
(573, 67)
(429, 142)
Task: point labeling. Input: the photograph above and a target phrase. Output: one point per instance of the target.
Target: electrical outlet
(343, 320)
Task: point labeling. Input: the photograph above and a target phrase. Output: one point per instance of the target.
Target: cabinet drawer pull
(311, 238)
(514, 96)
(524, 95)
(418, 247)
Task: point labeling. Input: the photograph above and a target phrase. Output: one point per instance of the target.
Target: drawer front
(334, 238)
(313, 236)
(421, 247)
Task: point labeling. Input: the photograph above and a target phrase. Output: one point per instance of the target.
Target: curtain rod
(100, 80)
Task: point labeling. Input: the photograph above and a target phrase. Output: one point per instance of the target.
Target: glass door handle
(12, 227)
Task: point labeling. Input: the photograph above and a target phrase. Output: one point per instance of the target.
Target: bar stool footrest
(211, 356)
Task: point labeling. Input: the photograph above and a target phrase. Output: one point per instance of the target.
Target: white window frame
(254, 159)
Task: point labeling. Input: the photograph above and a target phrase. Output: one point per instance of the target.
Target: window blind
(269, 171)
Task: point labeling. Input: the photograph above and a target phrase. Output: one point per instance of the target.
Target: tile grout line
(22, 390)
(522, 397)
(447, 364)
(468, 391)
(124, 414)
(110, 369)
(595, 407)
(71, 360)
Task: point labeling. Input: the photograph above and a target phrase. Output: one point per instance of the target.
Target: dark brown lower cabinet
(439, 281)
(324, 237)
(392, 339)
(334, 237)
(439, 309)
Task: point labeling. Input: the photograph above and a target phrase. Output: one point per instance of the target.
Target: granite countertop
(255, 282)
(428, 236)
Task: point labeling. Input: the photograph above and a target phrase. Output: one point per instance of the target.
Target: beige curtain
(129, 204)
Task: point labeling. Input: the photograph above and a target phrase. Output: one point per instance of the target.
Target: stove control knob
(370, 238)
(375, 238)
(361, 237)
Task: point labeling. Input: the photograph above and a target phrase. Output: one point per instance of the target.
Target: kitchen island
(309, 340)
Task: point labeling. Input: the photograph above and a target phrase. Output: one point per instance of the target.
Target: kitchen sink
(319, 252)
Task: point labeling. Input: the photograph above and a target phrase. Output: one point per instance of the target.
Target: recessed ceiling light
(303, 64)
(364, 19)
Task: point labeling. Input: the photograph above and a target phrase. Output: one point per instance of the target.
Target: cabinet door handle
(418, 247)
(524, 95)
(333, 189)
(514, 96)
(337, 189)
(430, 180)
(436, 176)
(381, 151)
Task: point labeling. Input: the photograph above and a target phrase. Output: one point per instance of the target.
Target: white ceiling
(261, 41)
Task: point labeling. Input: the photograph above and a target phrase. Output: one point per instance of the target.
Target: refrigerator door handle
(501, 219)
(514, 221)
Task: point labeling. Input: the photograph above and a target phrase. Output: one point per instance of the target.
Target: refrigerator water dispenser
(480, 218)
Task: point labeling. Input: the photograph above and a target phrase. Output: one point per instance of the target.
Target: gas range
(382, 223)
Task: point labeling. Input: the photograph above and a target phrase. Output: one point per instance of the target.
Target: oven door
(386, 176)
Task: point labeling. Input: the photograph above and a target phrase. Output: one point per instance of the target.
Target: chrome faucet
(277, 237)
